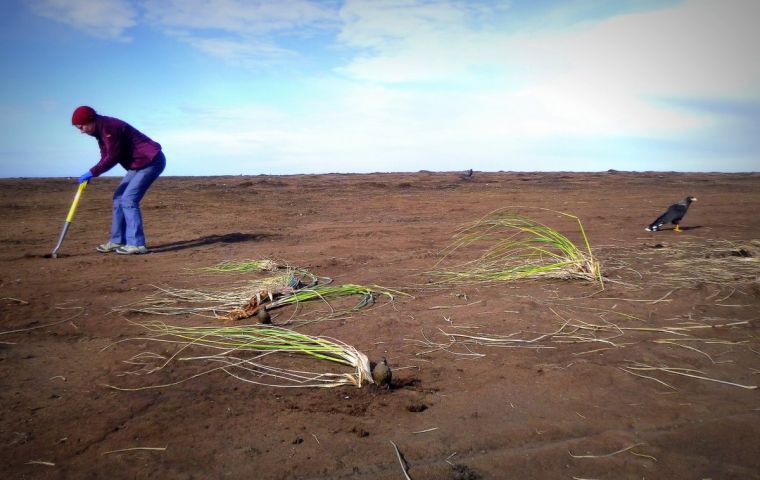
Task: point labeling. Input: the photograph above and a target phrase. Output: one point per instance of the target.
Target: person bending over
(143, 160)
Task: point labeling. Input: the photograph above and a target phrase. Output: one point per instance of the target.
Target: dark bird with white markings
(673, 215)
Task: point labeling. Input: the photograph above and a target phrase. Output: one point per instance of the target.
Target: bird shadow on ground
(236, 237)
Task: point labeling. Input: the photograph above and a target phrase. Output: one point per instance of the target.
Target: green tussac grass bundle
(215, 303)
(246, 353)
(243, 299)
(515, 247)
(326, 292)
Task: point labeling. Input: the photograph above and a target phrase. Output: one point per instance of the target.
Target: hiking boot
(107, 247)
(131, 250)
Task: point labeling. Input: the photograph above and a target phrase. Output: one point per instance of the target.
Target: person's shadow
(236, 237)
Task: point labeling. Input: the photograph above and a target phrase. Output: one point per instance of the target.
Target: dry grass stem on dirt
(51, 324)
(678, 343)
(721, 264)
(636, 368)
(606, 455)
(580, 331)
(512, 247)
(15, 300)
(239, 266)
(401, 461)
(135, 449)
(566, 333)
(609, 335)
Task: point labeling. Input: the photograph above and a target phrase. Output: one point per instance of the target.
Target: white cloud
(245, 53)
(596, 80)
(238, 31)
(433, 92)
(239, 16)
(104, 18)
(412, 40)
(396, 23)
(437, 85)
(603, 80)
(364, 129)
(241, 32)
(700, 48)
(702, 45)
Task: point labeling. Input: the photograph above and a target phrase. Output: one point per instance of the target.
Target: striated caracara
(673, 215)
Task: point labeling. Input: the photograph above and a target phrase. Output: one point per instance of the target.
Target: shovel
(69, 218)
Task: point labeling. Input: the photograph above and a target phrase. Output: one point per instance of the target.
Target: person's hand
(85, 176)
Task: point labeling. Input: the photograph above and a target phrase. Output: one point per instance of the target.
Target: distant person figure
(143, 160)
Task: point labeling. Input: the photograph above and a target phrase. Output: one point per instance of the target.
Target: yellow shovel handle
(73, 208)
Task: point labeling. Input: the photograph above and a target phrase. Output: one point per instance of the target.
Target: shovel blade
(65, 230)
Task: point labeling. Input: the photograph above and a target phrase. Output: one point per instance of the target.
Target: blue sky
(294, 86)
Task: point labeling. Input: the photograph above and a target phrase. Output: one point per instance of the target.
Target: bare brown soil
(572, 408)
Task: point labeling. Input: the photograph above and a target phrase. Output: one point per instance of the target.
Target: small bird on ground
(382, 374)
(263, 316)
(673, 215)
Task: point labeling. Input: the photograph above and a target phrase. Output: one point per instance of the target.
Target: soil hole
(416, 407)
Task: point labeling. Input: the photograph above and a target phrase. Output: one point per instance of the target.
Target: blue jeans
(127, 223)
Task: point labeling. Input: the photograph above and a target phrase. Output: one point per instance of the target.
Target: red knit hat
(83, 115)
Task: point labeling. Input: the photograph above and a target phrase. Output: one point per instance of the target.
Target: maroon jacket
(121, 143)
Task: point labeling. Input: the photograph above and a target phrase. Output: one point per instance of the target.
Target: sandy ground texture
(653, 377)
